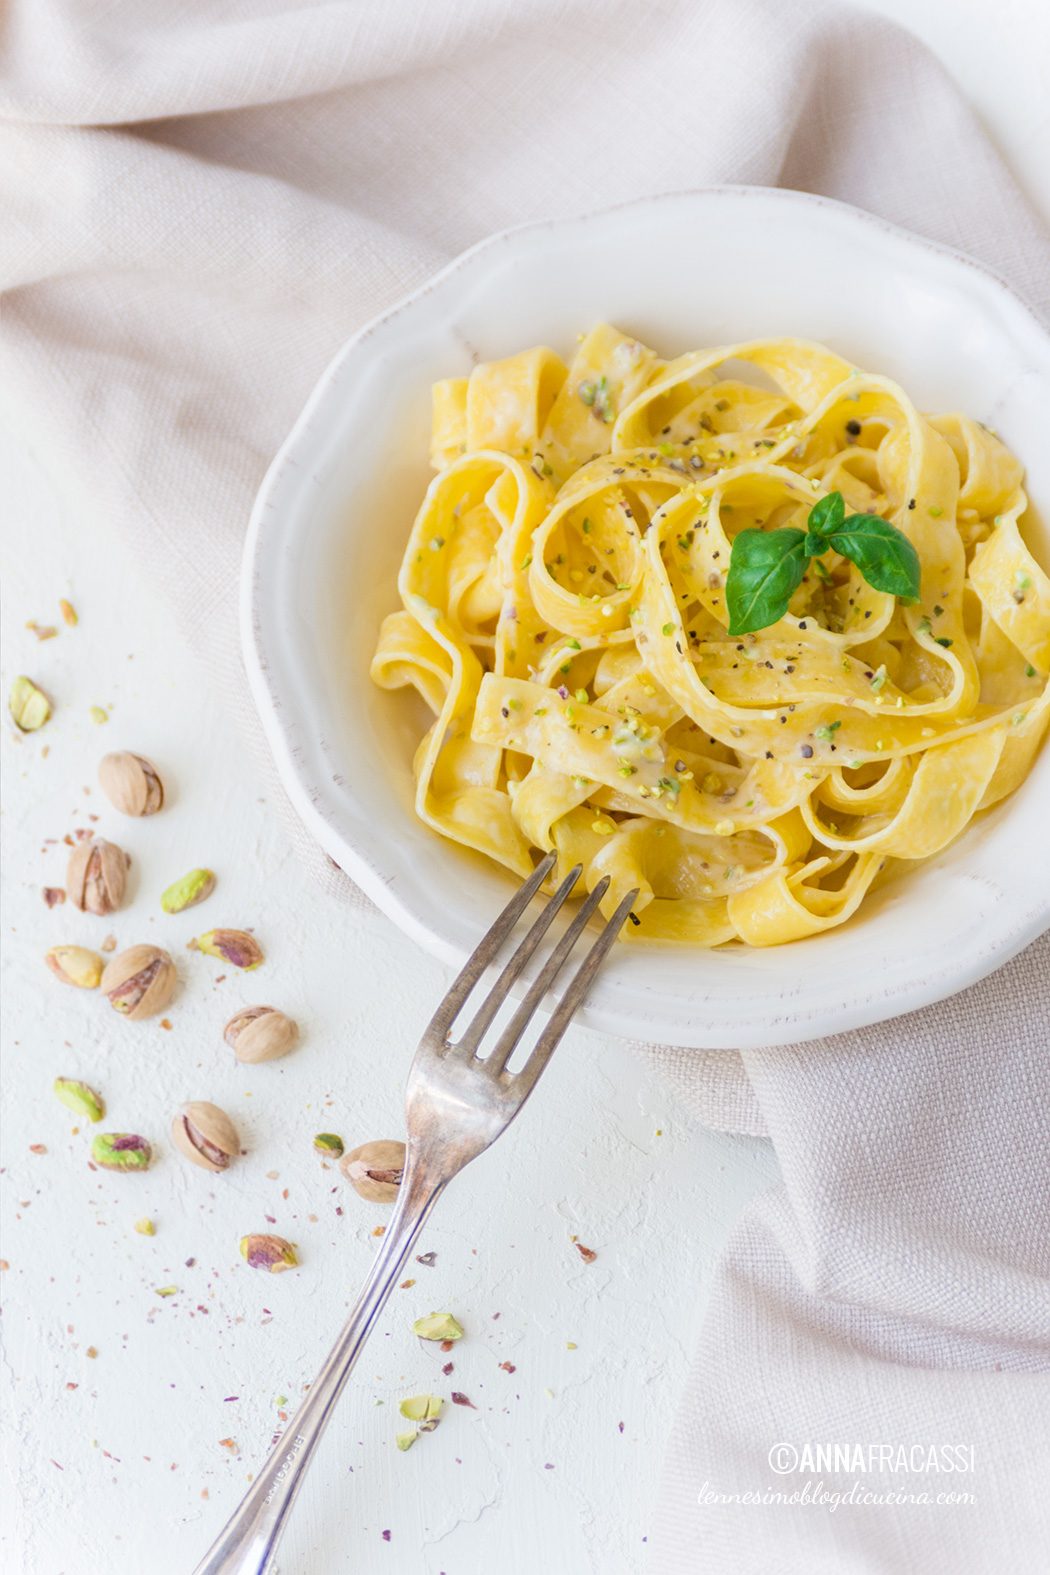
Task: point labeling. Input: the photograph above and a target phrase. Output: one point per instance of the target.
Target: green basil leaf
(882, 553)
(765, 567)
(827, 515)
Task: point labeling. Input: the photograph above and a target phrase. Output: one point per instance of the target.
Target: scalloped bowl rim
(747, 1019)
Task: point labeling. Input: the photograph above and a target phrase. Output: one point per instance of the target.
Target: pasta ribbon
(563, 622)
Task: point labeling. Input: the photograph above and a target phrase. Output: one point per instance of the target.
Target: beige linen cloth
(200, 200)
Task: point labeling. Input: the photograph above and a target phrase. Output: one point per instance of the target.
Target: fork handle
(247, 1544)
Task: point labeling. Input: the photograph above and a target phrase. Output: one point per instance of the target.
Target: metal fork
(456, 1104)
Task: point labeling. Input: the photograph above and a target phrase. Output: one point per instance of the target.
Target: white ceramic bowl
(331, 520)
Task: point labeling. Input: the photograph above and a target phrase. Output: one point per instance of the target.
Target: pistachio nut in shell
(140, 982)
(75, 965)
(96, 876)
(121, 1151)
(29, 706)
(235, 947)
(268, 1252)
(131, 783)
(80, 1098)
(188, 891)
(206, 1135)
(375, 1169)
(260, 1033)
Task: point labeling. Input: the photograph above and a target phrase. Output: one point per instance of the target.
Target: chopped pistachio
(78, 1097)
(438, 1326)
(145, 1226)
(69, 613)
(406, 1440)
(75, 965)
(272, 1253)
(98, 714)
(188, 891)
(121, 1151)
(29, 706)
(328, 1144)
(236, 947)
(422, 1408)
(167, 1290)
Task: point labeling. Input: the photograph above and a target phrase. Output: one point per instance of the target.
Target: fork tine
(502, 1051)
(475, 1031)
(564, 1012)
(487, 948)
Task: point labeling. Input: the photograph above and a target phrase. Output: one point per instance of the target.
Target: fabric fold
(201, 204)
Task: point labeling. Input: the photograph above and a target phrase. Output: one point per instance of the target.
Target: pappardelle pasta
(564, 618)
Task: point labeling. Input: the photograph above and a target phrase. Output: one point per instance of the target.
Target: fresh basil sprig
(766, 566)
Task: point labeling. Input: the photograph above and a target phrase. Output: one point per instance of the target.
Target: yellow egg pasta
(563, 617)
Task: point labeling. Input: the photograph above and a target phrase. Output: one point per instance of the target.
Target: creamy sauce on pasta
(564, 618)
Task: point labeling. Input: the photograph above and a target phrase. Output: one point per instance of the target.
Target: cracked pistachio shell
(260, 1033)
(96, 876)
(29, 706)
(80, 1098)
(188, 892)
(268, 1252)
(206, 1135)
(75, 965)
(235, 947)
(438, 1326)
(140, 982)
(121, 1151)
(131, 783)
(375, 1169)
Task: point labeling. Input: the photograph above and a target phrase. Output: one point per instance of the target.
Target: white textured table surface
(560, 1458)
(129, 1449)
